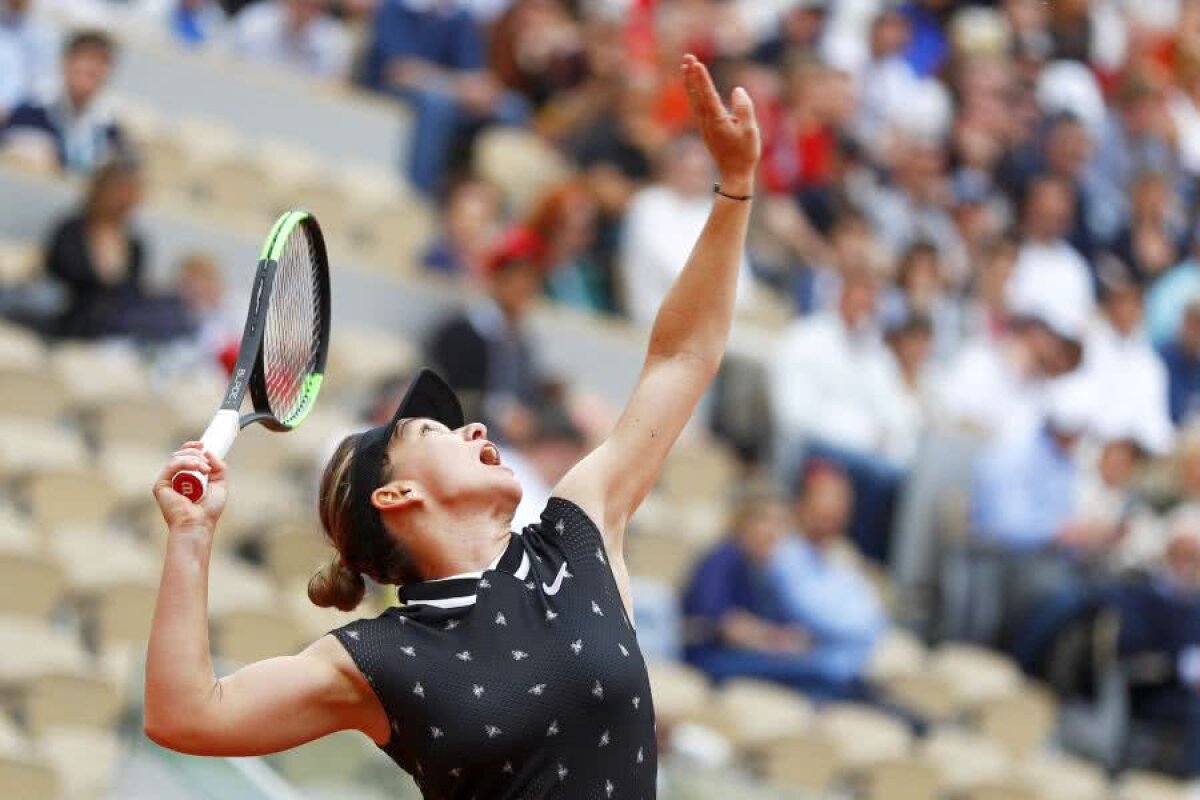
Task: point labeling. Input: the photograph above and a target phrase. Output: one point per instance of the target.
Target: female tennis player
(511, 667)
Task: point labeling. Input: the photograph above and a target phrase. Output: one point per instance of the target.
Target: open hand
(179, 511)
(732, 139)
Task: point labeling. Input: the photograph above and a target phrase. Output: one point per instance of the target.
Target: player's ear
(395, 495)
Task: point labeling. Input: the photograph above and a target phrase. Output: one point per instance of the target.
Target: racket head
(290, 366)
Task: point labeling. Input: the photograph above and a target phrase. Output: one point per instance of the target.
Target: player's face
(452, 467)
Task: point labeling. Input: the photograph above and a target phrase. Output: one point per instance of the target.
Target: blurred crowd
(980, 217)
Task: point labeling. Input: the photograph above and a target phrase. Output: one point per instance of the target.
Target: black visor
(428, 397)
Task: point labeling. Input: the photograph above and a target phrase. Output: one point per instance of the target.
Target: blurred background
(936, 530)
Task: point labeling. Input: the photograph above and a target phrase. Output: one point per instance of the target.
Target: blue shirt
(1023, 491)
(833, 602)
(1183, 382)
(726, 580)
(1167, 299)
(449, 39)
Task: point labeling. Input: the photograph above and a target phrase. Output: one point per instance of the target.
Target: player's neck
(462, 543)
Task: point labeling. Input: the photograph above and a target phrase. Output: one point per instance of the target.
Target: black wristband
(739, 197)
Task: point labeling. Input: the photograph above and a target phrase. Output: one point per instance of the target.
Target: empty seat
(260, 450)
(93, 374)
(314, 621)
(28, 777)
(31, 584)
(312, 443)
(898, 652)
(131, 469)
(1149, 786)
(258, 500)
(963, 758)
(246, 635)
(31, 445)
(1021, 722)
(520, 163)
(1053, 776)
(975, 675)
(698, 472)
(64, 497)
(801, 763)
(234, 585)
(295, 550)
(138, 421)
(1002, 790)
(32, 649)
(30, 391)
(364, 356)
(20, 261)
(927, 694)
(679, 690)
(85, 760)
(663, 557)
(95, 560)
(20, 348)
(56, 699)
(864, 735)
(894, 778)
(756, 711)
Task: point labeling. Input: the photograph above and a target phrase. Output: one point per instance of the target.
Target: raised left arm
(689, 334)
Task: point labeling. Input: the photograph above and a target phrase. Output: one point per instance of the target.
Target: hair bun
(337, 585)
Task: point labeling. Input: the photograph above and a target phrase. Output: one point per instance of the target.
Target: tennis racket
(281, 360)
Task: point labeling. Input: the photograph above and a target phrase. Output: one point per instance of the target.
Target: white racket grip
(217, 439)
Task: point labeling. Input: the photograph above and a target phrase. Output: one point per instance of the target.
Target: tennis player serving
(511, 668)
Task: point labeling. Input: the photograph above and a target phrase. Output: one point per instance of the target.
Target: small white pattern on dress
(500, 619)
(409, 650)
(477, 690)
(604, 739)
(577, 646)
(537, 689)
(553, 729)
(519, 654)
(419, 690)
(465, 655)
(596, 609)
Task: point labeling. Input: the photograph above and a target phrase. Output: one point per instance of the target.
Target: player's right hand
(180, 512)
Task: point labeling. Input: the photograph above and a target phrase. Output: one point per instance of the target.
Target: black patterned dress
(522, 681)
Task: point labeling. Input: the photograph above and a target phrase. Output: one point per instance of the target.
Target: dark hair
(106, 175)
(90, 39)
(340, 583)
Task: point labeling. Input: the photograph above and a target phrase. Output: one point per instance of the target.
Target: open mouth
(490, 455)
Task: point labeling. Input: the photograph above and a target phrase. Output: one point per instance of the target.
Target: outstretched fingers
(743, 108)
(702, 94)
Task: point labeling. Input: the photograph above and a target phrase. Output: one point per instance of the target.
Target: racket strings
(293, 329)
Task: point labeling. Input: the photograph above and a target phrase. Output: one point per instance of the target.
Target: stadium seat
(1060, 777)
(863, 735)
(315, 622)
(391, 238)
(257, 500)
(234, 585)
(312, 443)
(665, 557)
(896, 778)
(1149, 786)
(964, 759)
(20, 261)
(1021, 722)
(897, 653)
(94, 560)
(84, 758)
(975, 675)
(295, 550)
(928, 695)
(93, 374)
(122, 613)
(28, 777)
(698, 472)
(1001, 790)
(362, 356)
(32, 649)
(30, 391)
(260, 450)
(679, 690)
(62, 497)
(17, 532)
(182, 395)
(31, 445)
(803, 763)
(131, 469)
(143, 421)
(58, 699)
(21, 348)
(756, 711)
(520, 163)
(31, 584)
(246, 635)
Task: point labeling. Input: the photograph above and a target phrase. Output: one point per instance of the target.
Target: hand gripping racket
(282, 356)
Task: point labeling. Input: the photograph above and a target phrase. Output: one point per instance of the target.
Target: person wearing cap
(511, 667)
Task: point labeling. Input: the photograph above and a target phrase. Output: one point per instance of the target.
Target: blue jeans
(438, 119)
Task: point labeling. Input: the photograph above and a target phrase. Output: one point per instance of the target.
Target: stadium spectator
(1120, 363)
(735, 624)
(1023, 489)
(836, 395)
(536, 50)
(99, 258)
(470, 221)
(888, 80)
(487, 352)
(1181, 357)
(1171, 293)
(911, 340)
(920, 289)
(801, 28)
(661, 221)
(296, 34)
(1152, 240)
(200, 287)
(431, 55)
(192, 23)
(29, 55)
(1160, 621)
(1049, 272)
(564, 222)
(823, 591)
(74, 131)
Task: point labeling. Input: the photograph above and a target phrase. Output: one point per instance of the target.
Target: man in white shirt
(296, 34)
(836, 395)
(30, 50)
(662, 222)
(1122, 366)
(1048, 269)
